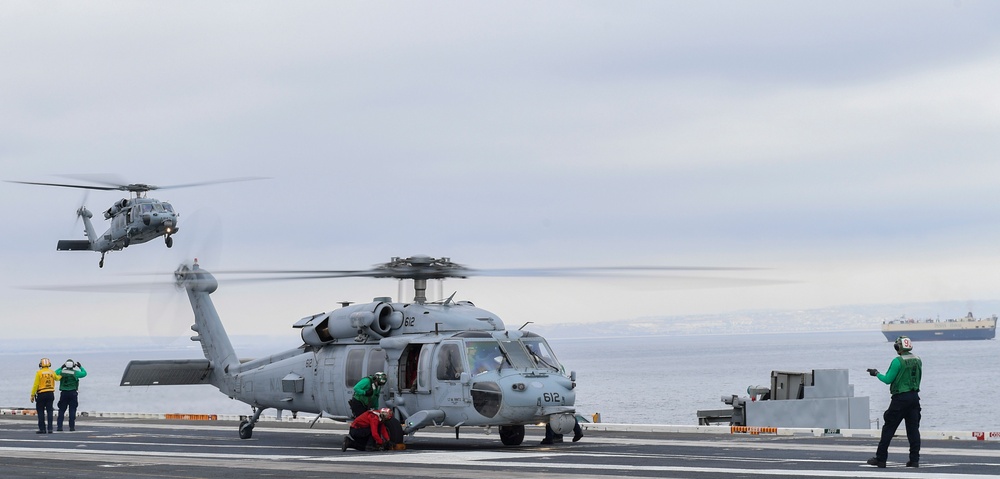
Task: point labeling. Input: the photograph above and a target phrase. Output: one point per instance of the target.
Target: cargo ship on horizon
(937, 330)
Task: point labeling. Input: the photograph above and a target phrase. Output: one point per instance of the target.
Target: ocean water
(668, 379)
(659, 380)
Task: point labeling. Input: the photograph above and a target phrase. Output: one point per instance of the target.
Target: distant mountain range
(839, 318)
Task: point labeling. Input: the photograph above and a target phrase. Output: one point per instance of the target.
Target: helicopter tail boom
(210, 332)
(80, 245)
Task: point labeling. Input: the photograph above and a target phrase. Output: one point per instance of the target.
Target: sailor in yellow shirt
(43, 394)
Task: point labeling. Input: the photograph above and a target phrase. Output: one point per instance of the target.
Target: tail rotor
(79, 213)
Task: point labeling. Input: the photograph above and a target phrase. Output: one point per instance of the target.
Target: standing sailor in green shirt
(366, 393)
(69, 383)
(903, 378)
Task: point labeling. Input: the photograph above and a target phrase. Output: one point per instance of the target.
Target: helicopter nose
(530, 396)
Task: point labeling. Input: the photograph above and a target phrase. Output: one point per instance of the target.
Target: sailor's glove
(873, 372)
(78, 365)
(32, 398)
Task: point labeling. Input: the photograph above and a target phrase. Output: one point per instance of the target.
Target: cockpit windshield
(530, 352)
(517, 354)
(540, 353)
(485, 354)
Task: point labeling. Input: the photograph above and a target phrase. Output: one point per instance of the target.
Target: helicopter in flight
(448, 363)
(134, 220)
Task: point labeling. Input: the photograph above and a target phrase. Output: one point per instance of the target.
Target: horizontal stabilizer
(166, 372)
(73, 245)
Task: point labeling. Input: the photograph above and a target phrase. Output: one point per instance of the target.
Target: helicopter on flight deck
(447, 362)
(134, 220)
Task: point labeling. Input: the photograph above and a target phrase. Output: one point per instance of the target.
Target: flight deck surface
(133, 448)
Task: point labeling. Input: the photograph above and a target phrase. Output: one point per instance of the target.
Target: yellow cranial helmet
(44, 363)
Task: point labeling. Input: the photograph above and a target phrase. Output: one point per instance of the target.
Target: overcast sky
(848, 148)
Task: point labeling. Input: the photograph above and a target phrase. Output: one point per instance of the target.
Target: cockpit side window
(483, 356)
(449, 362)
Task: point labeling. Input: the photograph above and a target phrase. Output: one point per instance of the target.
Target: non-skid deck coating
(140, 448)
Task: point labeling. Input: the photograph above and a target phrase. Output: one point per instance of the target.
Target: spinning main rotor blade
(110, 184)
(145, 287)
(103, 188)
(457, 271)
(425, 272)
(213, 182)
(598, 270)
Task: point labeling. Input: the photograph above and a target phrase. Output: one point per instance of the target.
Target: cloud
(848, 147)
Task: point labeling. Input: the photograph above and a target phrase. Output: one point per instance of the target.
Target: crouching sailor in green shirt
(69, 384)
(903, 378)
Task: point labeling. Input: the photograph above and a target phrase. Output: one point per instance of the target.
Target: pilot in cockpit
(485, 358)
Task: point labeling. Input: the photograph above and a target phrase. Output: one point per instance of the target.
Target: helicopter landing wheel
(512, 435)
(169, 241)
(246, 429)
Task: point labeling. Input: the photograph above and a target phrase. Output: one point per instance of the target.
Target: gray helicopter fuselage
(447, 364)
(133, 221)
(477, 377)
